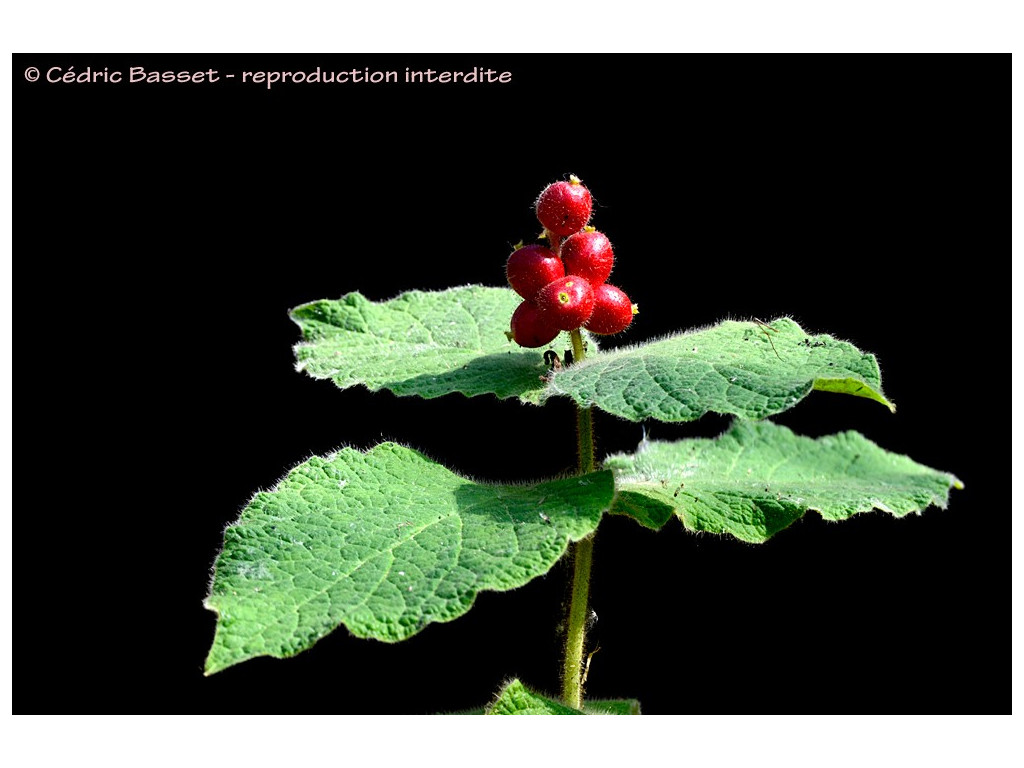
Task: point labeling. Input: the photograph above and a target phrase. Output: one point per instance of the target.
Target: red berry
(568, 302)
(613, 311)
(531, 327)
(589, 255)
(564, 207)
(531, 268)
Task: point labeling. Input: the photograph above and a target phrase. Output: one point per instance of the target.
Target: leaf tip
(213, 665)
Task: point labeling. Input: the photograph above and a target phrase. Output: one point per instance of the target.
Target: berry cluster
(564, 284)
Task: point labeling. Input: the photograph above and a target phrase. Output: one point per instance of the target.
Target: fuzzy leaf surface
(741, 368)
(611, 707)
(384, 543)
(758, 478)
(516, 699)
(425, 343)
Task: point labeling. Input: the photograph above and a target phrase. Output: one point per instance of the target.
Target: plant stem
(584, 416)
(572, 670)
(583, 555)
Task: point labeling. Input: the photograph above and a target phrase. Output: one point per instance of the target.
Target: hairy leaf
(436, 343)
(384, 543)
(516, 699)
(420, 343)
(748, 369)
(758, 478)
(611, 707)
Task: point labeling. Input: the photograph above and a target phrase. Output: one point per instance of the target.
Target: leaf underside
(436, 343)
(758, 478)
(384, 543)
(516, 699)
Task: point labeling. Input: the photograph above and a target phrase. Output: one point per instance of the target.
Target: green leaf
(611, 707)
(747, 369)
(653, 516)
(437, 343)
(758, 478)
(420, 343)
(383, 542)
(516, 699)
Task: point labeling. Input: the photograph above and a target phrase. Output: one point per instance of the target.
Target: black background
(163, 232)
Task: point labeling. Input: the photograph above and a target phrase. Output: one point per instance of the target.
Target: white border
(793, 742)
(257, 26)
(462, 26)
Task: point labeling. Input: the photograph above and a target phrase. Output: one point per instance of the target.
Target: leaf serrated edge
(876, 504)
(300, 365)
(210, 670)
(529, 397)
(822, 384)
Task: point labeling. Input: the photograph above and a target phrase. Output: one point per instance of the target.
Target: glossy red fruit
(531, 268)
(568, 302)
(531, 327)
(613, 311)
(589, 255)
(564, 207)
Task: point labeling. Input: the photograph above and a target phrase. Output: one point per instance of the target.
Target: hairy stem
(584, 416)
(583, 554)
(572, 670)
